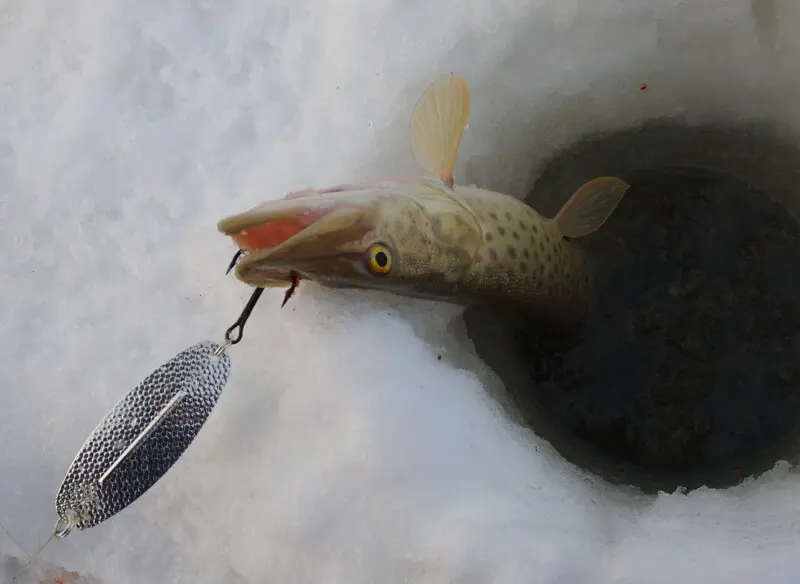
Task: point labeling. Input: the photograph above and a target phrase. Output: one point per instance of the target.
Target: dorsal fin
(590, 206)
(437, 124)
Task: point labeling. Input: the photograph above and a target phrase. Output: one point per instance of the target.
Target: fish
(427, 237)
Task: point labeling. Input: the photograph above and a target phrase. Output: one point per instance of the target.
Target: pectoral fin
(437, 124)
(590, 206)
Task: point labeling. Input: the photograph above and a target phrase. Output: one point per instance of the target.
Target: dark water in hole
(687, 373)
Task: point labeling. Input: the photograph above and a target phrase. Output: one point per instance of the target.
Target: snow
(342, 450)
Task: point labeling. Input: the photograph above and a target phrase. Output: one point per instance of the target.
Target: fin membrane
(591, 206)
(437, 124)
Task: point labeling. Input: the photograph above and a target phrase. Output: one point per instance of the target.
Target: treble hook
(238, 326)
(242, 320)
(235, 259)
(292, 288)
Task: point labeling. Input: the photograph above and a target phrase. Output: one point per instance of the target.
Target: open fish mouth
(297, 235)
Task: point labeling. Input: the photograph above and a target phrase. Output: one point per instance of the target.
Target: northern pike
(427, 237)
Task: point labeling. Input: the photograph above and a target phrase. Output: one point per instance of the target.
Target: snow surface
(342, 450)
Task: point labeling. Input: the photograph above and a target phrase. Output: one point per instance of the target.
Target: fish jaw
(339, 237)
(305, 233)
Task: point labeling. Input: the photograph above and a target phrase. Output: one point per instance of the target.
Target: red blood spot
(643, 86)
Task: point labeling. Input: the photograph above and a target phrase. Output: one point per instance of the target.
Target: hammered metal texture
(82, 501)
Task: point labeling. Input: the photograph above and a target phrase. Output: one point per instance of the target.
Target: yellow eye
(379, 259)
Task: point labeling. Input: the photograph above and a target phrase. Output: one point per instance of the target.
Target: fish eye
(379, 259)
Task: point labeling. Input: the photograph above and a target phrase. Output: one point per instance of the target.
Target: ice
(343, 450)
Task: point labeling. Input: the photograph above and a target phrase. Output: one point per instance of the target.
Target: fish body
(428, 237)
(525, 261)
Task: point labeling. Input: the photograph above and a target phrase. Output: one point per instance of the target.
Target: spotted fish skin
(526, 262)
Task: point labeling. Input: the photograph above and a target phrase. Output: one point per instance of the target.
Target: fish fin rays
(437, 125)
(590, 206)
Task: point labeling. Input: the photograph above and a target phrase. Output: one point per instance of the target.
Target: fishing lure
(146, 432)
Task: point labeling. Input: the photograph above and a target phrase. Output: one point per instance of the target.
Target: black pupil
(381, 259)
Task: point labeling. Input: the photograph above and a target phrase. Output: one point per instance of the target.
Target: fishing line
(32, 558)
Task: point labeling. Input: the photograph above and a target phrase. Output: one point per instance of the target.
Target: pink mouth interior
(275, 231)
